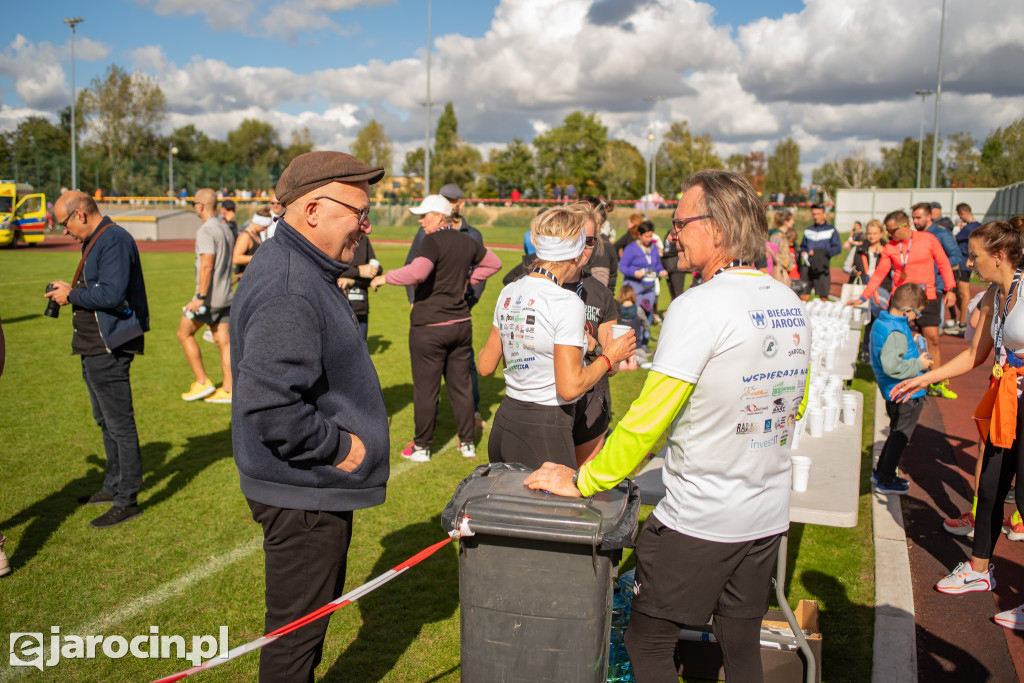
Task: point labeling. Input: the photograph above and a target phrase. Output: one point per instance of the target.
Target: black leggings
(997, 471)
(651, 644)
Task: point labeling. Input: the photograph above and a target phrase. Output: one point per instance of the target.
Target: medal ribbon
(549, 275)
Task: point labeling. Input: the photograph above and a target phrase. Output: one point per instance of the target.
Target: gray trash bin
(535, 576)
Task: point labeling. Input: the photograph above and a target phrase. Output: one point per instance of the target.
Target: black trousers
(305, 553)
(903, 419)
(108, 378)
(436, 351)
(998, 468)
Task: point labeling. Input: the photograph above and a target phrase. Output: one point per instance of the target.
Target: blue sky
(836, 75)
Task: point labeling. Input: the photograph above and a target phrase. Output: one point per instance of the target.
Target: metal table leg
(780, 594)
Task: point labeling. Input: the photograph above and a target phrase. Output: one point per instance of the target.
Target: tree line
(119, 115)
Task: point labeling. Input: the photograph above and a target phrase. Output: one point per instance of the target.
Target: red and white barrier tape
(349, 597)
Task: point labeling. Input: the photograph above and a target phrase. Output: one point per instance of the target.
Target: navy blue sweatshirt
(303, 383)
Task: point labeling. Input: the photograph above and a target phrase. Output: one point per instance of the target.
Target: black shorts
(685, 579)
(964, 274)
(593, 413)
(932, 313)
(214, 316)
(532, 434)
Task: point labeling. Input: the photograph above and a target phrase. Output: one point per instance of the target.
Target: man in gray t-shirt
(211, 304)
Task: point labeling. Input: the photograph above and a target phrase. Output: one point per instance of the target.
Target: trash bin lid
(493, 500)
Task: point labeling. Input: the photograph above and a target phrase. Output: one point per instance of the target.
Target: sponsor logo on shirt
(786, 317)
(769, 346)
(530, 302)
(767, 425)
(784, 439)
(519, 300)
(796, 339)
(797, 352)
(746, 428)
(764, 443)
(530, 319)
(783, 388)
(507, 302)
(755, 409)
(780, 423)
(752, 392)
(758, 319)
(779, 406)
(778, 374)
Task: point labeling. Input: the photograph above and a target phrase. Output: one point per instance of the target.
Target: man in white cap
(441, 329)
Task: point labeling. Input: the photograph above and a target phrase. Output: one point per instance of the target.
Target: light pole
(650, 140)
(650, 152)
(426, 142)
(920, 137)
(938, 96)
(72, 22)
(171, 151)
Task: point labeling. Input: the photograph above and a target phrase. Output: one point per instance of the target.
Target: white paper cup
(849, 403)
(619, 330)
(801, 472)
(831, 416)
(815, 421)
(798, 430)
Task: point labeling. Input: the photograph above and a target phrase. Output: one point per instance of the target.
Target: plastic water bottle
(620, 670)
(626, 582)
(922, 346)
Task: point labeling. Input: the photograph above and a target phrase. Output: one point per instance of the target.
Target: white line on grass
(177, 586)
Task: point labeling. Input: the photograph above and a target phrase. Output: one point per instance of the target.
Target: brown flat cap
(311, 170)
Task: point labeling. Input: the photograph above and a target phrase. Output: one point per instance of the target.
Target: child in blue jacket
(895, 357)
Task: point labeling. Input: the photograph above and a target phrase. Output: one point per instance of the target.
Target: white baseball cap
(434, 202)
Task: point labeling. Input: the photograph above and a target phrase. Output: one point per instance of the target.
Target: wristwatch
(575, 480)
(201, 297)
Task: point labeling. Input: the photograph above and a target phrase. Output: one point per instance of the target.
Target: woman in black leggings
(996, 254)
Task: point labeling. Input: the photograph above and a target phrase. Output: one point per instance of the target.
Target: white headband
(557, 249)
(262, 221)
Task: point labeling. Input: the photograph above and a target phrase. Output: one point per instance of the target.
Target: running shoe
(5, 565)
(416, 453)
(941, 389)
(219, 396)
(895, 487)
(955, 330)
(198, 391)
(1014, 532)
(468, 450)
(898, 479)
(964, 579)
(1011, 497)
(960, 526)
(1012, 619)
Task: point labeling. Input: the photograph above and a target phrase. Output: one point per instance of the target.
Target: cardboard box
(696, 659)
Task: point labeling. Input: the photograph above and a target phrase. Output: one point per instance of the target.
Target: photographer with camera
(109, 316)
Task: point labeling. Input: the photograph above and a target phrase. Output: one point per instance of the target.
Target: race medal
(997, 371)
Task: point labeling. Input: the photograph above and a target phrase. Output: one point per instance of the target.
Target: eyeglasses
(898, 227)
(912, 310)
(591, 242)
(680, 223)
(364, 214)
(64, 223)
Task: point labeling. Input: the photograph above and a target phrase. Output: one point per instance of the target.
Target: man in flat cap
(309, 427)
(453, 194)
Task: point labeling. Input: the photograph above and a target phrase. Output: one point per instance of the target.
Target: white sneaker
(964, 579)
(468, 450)
(208, 336)
(416, 454)
(1012, 619)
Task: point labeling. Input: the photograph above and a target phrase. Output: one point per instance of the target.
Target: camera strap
(85, 254)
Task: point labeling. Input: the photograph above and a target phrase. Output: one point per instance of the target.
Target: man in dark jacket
(308, 423)
(110, 314)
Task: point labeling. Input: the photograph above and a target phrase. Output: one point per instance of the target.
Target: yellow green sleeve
(803, 402)
(650, 415)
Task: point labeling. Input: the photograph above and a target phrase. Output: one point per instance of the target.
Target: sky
(838, 76)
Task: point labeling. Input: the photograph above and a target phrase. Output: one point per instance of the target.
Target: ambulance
(22, 214)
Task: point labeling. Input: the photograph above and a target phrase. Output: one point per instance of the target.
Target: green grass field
(193, 561)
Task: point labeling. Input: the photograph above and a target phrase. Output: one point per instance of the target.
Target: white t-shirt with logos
(742, 340)
(532, 315)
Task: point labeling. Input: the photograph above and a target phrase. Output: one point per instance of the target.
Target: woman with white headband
(539, 332)
(250, 239)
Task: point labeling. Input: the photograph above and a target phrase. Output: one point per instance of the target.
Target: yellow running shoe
(219, 396)
(941, 389)
(198, 391)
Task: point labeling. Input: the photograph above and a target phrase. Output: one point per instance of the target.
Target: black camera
(52, 307)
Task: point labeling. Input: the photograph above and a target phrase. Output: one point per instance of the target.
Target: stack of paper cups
(815, 421)
(831, 415)
(849, 403)
(801, 472)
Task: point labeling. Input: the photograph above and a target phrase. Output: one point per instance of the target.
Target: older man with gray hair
(309, 426)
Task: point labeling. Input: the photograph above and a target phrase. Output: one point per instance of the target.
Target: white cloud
(837, 76)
